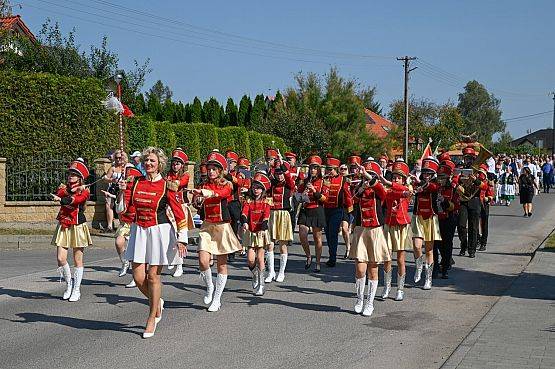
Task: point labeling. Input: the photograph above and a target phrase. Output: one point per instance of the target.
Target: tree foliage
(231, 111)
(480, 111)
(243, 115)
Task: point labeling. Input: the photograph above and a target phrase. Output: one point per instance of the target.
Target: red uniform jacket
(239, 183)
(214, 207)
(425, 202)
(450, 202)
(72, 211)
(316, 197)
(128, 216)
(150, 199)
(281, 192)
(487, 192)
(178, 185)
(397, 205)
(256, 214)
(339, 194)
(370, 212)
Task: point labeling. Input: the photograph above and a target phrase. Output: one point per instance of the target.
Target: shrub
(141, 133)
(51, 114)
(207, 137)
(241, 138)
(188, 139)
(256, 145)
(165, 137)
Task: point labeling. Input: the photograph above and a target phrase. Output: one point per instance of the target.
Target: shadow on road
(94, 325)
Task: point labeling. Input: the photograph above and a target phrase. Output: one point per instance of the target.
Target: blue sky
(506, 45)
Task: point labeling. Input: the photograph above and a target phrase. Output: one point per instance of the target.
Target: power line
(524, 117)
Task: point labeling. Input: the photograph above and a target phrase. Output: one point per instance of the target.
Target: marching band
(254, 211)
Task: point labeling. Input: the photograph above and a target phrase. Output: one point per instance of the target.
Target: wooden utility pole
(407, 60)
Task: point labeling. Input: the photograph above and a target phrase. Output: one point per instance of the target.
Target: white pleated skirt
(154, 245)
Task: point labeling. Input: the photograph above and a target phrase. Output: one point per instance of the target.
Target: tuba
(467, 183)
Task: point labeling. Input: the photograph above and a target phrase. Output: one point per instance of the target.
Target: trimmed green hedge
(165, 136)
(187, 139)
(240, 137)
(256, 145)
(51, 114)
(207, 137)
(141, 133)
(226, 141)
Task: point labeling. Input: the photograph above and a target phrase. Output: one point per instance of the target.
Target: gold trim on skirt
(257, 239)
(123, 230)
(399, 237)
(218, 239)
(369, 245)
(281, 228)
(73, 237)
(427, 229)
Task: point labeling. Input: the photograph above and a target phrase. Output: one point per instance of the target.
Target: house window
(539, 144)
(386, 128)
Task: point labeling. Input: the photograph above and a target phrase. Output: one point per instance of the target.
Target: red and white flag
(127, 112)
(427, 152)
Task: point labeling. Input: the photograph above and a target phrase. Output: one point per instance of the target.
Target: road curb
(469, 341)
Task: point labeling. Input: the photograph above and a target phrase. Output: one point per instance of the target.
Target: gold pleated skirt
(281, 228)
(218, 239)
(123, 230)
(257, 239)
(399, 237)
(73, 237)
(368, 245)
(427, 229)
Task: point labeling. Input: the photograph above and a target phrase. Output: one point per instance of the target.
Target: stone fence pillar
(3, 181)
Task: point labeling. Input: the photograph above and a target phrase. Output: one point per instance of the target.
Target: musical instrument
(466, 181)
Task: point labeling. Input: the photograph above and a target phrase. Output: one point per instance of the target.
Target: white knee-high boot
(386, 283)
(400, 287)
(419, 262)
(76, 293)
(260, 288)
(360, 285)
(282, 264)
(369, 306)
(178, 271)
(206, 276)
(271, 271)
(66, 273)
(428, 270)
(221, 279)
(255, 272)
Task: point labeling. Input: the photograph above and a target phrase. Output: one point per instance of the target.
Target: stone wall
(46, 211)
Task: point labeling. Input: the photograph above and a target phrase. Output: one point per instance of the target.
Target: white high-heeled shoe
(158, 318)
(150, 334)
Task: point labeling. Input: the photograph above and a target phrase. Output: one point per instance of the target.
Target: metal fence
(36, 179)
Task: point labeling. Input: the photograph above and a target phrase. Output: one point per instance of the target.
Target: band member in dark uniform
(312, 193)
(338, 201)
(449, 205)
(469, 214)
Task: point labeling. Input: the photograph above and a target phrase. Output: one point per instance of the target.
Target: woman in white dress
(152, 241)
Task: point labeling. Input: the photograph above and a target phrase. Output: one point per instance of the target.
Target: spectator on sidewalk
(527, 188)
(136, 161)
(547, 170)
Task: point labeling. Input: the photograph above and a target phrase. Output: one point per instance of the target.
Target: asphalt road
(305, 322)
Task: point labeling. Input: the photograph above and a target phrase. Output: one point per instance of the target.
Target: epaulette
(269, 201)
(172, 185)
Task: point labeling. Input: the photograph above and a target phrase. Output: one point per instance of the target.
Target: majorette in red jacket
(281, 192)
(424, 202)
(178, 185)
(72, 210)
(149, 199)
(397, 205)
(369, 211)
(214, 206)
(239, 182)
(256, 214)
(339, 193)
(316, 197)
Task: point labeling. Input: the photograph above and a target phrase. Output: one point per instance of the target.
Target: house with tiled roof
(16, 26)
(381, 128)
